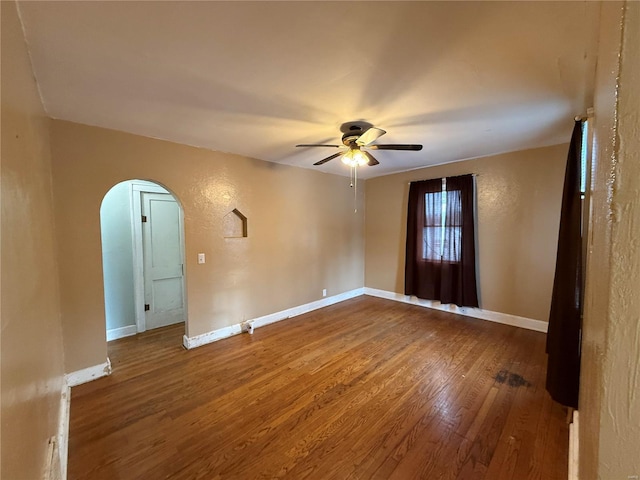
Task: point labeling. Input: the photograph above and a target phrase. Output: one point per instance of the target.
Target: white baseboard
(87, 374)
(235, 329)
(225, 332)
(574, 429)
(71, 380)
(212, 336)
(498, 317)
(63, 429)
(121, 332)
(52, 468)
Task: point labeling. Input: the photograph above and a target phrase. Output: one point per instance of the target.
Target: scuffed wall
(31, 344)
(610, 377)
(620, 415)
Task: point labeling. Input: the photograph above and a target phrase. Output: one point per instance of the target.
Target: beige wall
(518, 206)
(303, 233)
(32, 358)
(304, 236)
(610, 379)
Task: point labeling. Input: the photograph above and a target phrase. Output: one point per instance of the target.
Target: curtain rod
(472, 174)
(583, 118)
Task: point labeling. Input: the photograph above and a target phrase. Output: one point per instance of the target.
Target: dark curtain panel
(458, 282)
(563, 336)
(422, 269)
(440, 259)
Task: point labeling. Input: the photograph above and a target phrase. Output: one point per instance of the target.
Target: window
(584, 163)
(442, 232)
(440, 252)
(583, 158)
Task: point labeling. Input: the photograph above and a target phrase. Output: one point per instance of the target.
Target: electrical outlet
(324, 292)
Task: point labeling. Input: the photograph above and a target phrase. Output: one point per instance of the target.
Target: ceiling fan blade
(370, 135)
(396, 146)
(318, 145)
(372, 159)
(330, 157)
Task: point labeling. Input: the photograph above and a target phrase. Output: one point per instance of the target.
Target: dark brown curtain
(563, 336)
(440, 262)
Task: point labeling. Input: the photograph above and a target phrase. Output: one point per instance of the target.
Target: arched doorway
(142, 232)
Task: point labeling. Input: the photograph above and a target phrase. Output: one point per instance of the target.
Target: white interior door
(163, 262)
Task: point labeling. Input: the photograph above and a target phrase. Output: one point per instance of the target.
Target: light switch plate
(201, 258)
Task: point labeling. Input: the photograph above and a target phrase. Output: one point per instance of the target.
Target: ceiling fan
(358, 137)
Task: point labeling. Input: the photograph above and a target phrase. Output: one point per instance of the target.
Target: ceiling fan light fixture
(355, 158)
(356, 138)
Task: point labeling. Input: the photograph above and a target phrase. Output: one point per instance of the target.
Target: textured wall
(598, 274)
(518, 206)
(32, 358)
(303, 233)
(620, 434)
(610, 378)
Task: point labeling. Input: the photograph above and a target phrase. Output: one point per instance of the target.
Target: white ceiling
(465, 79)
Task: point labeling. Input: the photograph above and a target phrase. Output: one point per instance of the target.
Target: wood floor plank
(364, 389)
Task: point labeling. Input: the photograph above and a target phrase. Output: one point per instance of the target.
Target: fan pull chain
(355, 189)
(353, 179)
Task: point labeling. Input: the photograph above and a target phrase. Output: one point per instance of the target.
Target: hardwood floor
(364, 389)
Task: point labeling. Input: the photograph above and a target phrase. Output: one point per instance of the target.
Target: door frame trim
(138, 249)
